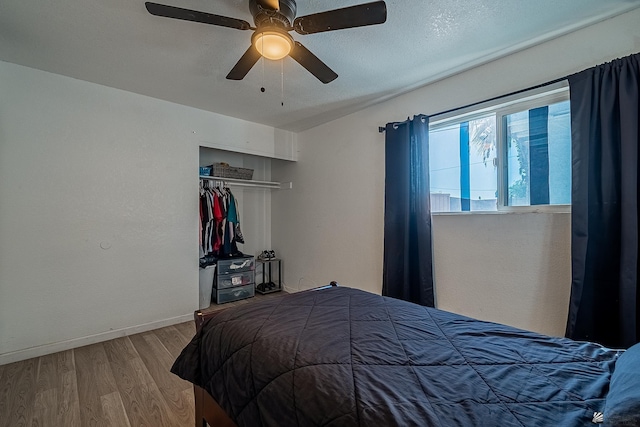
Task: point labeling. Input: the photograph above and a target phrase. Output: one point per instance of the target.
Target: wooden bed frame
(206, 408)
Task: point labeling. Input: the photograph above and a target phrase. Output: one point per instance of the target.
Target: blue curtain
(605, 117)
(408, 267)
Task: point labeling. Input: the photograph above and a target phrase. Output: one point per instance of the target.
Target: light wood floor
(124, 382)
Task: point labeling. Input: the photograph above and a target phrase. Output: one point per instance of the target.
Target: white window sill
(556, 209)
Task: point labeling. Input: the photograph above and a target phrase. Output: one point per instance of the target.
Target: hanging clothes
(219, 222)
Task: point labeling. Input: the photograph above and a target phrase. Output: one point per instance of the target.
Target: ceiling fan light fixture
(273, 44)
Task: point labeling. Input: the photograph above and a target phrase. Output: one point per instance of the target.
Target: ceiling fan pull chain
(282, 82)
(262, 89)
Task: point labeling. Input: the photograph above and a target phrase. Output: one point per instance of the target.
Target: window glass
(560, 153)
(482, 153)
(444, 159)
(517, 135)
(462, 167)
(538, 156)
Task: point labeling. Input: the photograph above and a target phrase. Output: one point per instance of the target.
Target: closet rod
(242, 182)
(495, 98)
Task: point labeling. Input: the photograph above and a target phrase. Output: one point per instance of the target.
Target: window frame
(539, 97)
(501, 149)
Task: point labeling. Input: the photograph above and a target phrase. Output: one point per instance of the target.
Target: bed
(344, 357)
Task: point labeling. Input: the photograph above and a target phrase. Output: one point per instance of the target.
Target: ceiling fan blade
(195, 16)
(269, 4)
(311, 62)
(338, 19)
(246, 62)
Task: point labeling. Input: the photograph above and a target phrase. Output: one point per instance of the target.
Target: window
(538, 156)
(513, 156)
(462, 171)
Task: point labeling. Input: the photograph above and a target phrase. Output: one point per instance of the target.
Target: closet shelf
(243, 182)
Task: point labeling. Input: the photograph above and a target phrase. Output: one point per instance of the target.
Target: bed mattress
(345, 357)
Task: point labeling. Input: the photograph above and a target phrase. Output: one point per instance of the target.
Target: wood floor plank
(46, 392)
(47, 373)
(95, 362)
(66, 361)
(7, 383)
(141, 398)
(120, 349)
(188, 397)
(68, 399)
(158, 360)
(56, 396)
(113, 410)
(128, 371)
(94, 379)
(44, 409)
(21, 396)
(172, 339)
(145, 406)
(187, 329)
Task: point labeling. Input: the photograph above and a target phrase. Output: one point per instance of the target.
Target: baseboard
(41, 350)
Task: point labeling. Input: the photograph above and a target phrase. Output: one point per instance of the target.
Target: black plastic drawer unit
(234, 279)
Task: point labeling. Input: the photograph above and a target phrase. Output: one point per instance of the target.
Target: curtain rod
(473, 104)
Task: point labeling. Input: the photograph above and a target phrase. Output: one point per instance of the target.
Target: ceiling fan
(274, 19)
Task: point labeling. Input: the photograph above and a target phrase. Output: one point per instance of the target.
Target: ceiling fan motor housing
(267, 17)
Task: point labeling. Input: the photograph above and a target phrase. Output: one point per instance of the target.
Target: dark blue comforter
(344, 357)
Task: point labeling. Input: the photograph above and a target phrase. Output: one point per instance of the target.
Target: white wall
(98, 209)
(513, 269)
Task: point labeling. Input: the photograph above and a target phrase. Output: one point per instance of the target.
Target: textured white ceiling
(118, 43)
